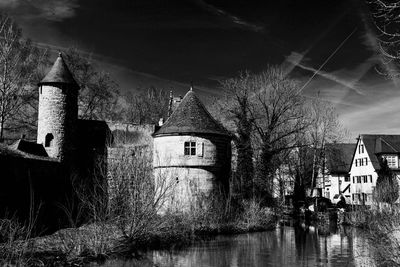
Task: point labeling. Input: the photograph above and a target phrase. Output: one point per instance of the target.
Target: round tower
(58, 111)
(192, 156)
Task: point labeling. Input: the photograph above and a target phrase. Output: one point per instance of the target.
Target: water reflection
(289, 244)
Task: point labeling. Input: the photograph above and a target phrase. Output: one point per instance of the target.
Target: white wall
(366, 169)
(334, 185)
(169, 151)
(190, 178)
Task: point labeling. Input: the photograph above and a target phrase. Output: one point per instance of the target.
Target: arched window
(49, 140)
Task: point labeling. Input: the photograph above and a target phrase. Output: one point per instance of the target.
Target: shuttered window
(200, 149)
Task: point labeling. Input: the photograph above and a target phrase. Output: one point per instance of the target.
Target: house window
(356, 162)
(347, 179)
(361, 149)
(366, 161)
(354, 181)
(365, 178)
(49, 140)
(359, 179)
(190, 148)
(391, 161)
(370, 178)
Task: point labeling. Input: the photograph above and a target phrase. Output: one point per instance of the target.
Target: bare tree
(266, 112)
(234, 111)
(99, 93)
(385, 15)
(146, 106)
(19, 67)
(278, 114)
(324, 128)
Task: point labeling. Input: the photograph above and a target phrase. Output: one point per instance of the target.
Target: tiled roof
(377, 144)
(29, 147)
(191, 117)
(339, 157)
(59, 73)
(9, 152)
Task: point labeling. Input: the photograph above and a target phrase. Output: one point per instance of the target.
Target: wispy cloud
(379, 117)
(295, 59)
(56, 10)
(236, 20)
(9, 3)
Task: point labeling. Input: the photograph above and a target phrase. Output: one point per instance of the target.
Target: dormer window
(190, 148)
(391, 161)
(49, 140)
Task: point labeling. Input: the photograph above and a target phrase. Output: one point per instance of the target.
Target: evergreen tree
(387, 187)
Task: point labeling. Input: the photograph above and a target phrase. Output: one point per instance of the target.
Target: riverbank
(116, 239)
(383, 227)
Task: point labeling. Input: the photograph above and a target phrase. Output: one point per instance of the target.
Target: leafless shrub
(15, 236)
(384, 233)
(122, 210)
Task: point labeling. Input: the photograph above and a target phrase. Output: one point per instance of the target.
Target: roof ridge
(387, 142)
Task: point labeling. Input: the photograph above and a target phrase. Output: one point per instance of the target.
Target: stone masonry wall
(58, 114)
(213, 152)
(189, 180)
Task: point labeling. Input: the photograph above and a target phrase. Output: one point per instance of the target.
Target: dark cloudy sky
(168, 43)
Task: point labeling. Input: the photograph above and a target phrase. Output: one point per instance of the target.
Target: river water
(288, 245)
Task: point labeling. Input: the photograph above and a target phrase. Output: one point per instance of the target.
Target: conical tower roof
(59, 74)
(191, 117)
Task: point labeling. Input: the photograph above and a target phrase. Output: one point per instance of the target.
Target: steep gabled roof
(191, 117)
(339, 157)
(377, 144)
(59, 74)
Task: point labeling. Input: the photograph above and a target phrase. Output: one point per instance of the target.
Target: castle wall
(58, 114)
(38, 187)
(128, 134)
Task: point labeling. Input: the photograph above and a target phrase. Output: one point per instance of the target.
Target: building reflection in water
(290, 244)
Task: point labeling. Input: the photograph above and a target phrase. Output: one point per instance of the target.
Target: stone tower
(58, 112)
(192, 156)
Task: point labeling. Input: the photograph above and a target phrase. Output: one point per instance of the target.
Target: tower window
(49, 140)
(190, 148)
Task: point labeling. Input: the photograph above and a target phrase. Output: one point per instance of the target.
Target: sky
(328, 45)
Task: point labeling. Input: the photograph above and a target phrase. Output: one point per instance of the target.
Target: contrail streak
(348, 84)
(326, 61)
